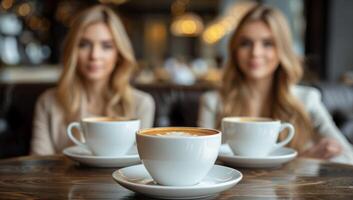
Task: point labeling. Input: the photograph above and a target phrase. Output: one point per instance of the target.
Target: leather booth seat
(175, 106)
(338, 99)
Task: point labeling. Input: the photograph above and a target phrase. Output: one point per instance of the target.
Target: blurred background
(178, 41)
(180, 46)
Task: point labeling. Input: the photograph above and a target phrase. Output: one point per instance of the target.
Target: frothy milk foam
(177, 133)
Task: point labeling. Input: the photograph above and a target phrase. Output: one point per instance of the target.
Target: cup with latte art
(178, 156)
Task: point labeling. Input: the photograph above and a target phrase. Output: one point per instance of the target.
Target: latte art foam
(177, 134)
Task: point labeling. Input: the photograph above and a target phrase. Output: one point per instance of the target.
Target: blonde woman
(260, 80)
(98, 61)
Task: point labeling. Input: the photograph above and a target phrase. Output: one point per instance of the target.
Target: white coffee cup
(255, 137)
(178, 160)
(105, 136)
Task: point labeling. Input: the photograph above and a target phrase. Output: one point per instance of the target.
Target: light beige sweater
(49, 127)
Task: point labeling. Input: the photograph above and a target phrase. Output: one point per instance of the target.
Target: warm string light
(185, 24)
(24, 9)
(7, 4)
(226, 24)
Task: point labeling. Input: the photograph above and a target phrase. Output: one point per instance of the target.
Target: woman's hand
(326, 148)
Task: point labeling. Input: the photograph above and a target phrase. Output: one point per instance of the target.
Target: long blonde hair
(70, 89)
(285, 106)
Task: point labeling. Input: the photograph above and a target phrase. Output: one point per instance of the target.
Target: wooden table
(57, 177)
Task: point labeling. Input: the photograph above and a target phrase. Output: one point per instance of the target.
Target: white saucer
(84, 156)
(276, 158)
(137, 179)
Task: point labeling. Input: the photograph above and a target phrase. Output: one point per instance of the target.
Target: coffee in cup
(178, 156)
(254, 136)
(105, 136)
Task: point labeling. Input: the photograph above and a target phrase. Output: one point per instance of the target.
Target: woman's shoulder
(48, 95)
(143, 102)
(305, 91)
(306, 94)
(141, 95)
(212, 95)
(47, 101)
(210, 98)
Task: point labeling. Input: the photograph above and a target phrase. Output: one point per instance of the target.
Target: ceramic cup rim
(252, 120)
(117, 120)
(216, 133)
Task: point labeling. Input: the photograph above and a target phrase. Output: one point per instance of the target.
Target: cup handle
(289, 137)
(69, 133)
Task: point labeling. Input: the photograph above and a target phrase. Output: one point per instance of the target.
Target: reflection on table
(57, 177)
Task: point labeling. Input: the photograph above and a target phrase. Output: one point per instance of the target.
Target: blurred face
(256, 52)
(97, 53)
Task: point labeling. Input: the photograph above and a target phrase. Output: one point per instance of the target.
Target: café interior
(181, 49)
